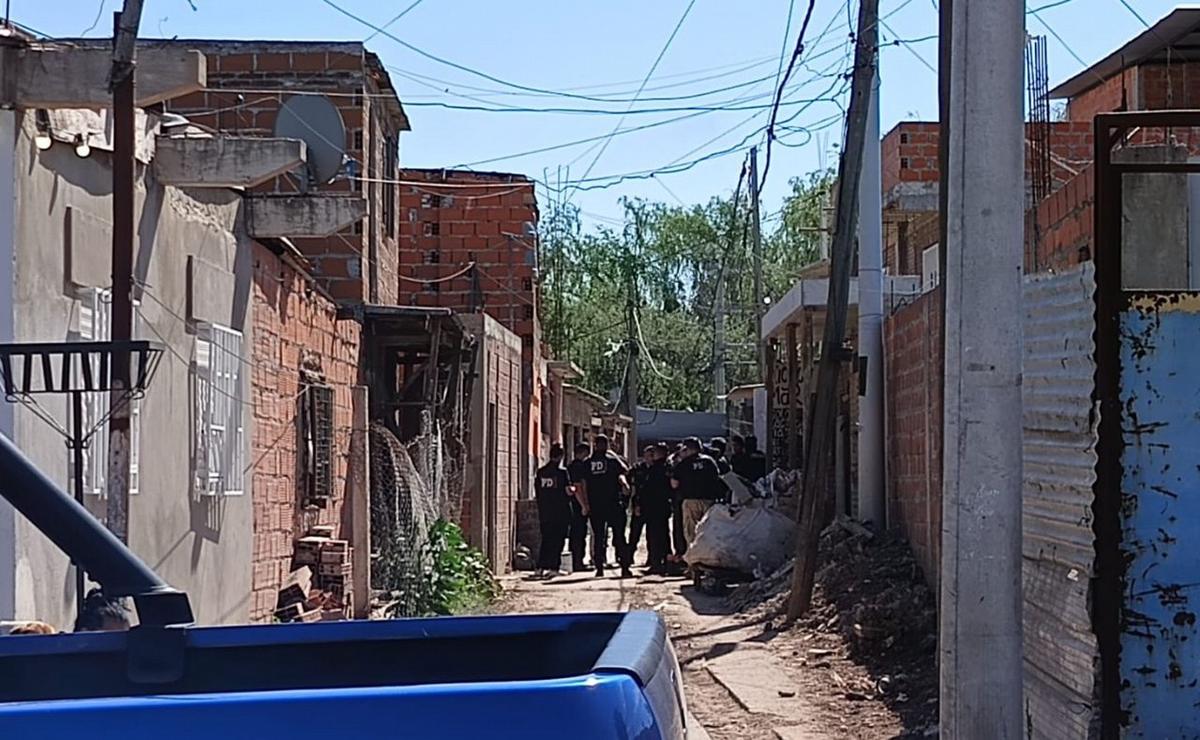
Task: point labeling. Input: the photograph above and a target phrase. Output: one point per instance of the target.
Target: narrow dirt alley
(744, 679)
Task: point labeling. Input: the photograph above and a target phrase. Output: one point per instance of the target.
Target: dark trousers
(677, 528)
(637, 522)
(658, 537)
(554, 522)
(606, 514)
(577, 533)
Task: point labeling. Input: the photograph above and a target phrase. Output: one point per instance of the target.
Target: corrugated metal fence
(1060, 440)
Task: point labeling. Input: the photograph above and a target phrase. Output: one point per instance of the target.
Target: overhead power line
(662, 53)
(782, 83)
(395, 18)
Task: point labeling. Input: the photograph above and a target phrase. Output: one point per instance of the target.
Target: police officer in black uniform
(655, 501)
(577, 471)
(606, 484)
(554, 511)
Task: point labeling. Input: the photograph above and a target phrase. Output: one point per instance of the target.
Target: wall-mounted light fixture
(82, 148)
(42, 139)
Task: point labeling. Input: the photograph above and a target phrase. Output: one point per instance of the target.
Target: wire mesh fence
(414, 484)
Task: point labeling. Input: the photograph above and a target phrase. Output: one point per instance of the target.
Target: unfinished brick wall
(910, 152)
(1111, 95)
(1058, 233)
(906, 236)
(249, 81)
(293, 323)
(492, 480)
(445, 229)
(1174, 86)
(914, 427)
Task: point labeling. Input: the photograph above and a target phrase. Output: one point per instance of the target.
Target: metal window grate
(220, 456)
(317, 417)
(95, 325)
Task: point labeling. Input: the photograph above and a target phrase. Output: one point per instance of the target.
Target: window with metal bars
(390, 163)
(219, 438)
(95, 325)
(316, 450)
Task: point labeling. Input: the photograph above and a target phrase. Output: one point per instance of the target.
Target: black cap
(600, 438)
(692, 443)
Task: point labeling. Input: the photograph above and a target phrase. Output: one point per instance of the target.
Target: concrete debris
(871, 610)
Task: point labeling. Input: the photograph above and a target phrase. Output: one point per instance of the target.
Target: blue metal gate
(1160, 513)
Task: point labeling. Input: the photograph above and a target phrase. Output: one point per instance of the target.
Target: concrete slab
(756, 680)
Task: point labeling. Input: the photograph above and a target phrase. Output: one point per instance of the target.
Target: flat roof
(1176, 32)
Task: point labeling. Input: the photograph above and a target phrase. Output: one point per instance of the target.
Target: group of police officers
(664, 496)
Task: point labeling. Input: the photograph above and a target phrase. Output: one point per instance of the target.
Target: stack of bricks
(461, 218)
(248, 81)
(327, 595)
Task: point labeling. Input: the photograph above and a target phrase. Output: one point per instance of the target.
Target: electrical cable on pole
(822, 428)
(121, 82)
(783, 83)
(759, 294)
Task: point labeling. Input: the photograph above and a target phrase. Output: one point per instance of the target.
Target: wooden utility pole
(720, 388)
(121, 82)
(824, 414)
(632, 380)
(756, 235)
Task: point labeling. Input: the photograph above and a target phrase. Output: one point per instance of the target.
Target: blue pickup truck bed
(543, 676)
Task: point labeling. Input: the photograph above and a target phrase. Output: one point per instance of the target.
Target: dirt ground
(830, 685)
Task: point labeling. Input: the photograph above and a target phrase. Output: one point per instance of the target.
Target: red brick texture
(247, 84)
(914, 418)
(910, 152)
(501, 367)
(292, 323)
(445, 229)
(1058, 233)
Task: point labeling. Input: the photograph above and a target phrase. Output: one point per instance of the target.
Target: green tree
(676, 255)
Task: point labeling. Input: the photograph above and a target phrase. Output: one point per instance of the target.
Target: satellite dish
(316, 121)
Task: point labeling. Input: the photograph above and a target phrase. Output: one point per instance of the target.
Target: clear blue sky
(605, 48)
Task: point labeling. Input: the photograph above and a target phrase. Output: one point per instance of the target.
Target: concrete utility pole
(760, 306)
(822, 428)
(872, 503)
(121, 82)
(980, 636)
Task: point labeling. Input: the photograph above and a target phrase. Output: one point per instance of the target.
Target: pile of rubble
(873, 621)
(319, 585)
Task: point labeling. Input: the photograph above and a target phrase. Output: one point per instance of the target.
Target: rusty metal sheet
(1160, 514)
(1059, 457)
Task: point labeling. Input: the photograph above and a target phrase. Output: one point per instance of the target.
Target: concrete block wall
(293, 323)
(914, 427)
(249, 81)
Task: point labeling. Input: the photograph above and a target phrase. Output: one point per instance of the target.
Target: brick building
(469, 243)
(1150, 72)
(248, 81)
(305, 364)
